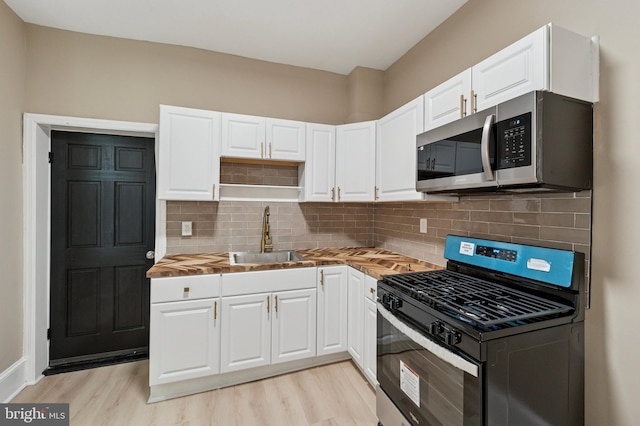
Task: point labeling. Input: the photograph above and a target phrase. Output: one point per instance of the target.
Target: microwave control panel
(514, 142)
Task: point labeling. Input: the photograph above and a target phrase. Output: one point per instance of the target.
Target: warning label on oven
(467, 248)
(410, 383)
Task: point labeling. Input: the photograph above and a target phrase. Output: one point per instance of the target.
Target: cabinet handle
(463, 106)
(322, 277)
(269, 149)
(215, 310)
(333, 193)
(474, 101)
(339, 194)
(268, 302)
(261, 149)
(276, 303)
(372, 290)
(213, 191)
(375, 193)
(186, 291)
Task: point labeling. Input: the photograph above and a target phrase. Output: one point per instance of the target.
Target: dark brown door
(102, 225)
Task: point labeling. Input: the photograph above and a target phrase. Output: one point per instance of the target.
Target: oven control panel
(497, 253)
(545, 264)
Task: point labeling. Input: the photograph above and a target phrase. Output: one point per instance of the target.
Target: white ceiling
(331, 35)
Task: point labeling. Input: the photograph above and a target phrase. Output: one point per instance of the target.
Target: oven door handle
(441, 352)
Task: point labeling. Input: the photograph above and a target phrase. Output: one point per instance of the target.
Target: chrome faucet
(265, 242)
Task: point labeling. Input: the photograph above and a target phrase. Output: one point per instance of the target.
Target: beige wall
(12, 89)
(92, 76)
(484, 26)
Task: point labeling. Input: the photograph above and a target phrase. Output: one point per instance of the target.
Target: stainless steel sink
(247, 257)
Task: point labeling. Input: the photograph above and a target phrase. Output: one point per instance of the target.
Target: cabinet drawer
(238, 283)
(172, 289)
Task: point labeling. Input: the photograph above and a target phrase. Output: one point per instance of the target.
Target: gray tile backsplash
(560, 220)
(554, 220)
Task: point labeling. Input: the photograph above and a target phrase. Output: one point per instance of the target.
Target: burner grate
(483, 302)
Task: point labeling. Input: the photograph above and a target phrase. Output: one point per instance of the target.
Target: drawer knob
(186, 289)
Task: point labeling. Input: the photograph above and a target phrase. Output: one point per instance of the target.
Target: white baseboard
(12, 380)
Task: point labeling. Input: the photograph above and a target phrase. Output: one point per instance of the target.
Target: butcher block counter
(374, 262)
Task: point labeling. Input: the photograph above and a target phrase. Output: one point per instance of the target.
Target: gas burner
(480, 301)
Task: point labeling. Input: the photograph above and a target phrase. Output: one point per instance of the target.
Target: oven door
(422, 382)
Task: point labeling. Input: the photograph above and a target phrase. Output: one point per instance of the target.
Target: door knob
(150, 254)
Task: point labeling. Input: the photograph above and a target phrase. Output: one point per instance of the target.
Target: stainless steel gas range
(497, 338)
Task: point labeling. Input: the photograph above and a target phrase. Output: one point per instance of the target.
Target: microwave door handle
(484, 146)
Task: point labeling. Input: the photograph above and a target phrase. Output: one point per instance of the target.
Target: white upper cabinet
(396, 153)
(285, 140)
(247, 136)
(514, 71)
(355, 161)
(188, 157)
(448, 101)
(318, 175)
(551, 58)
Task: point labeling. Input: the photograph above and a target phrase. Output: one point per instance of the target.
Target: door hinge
(48, 334)
(50, 157)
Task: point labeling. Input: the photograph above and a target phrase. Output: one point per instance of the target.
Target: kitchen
(610, 373)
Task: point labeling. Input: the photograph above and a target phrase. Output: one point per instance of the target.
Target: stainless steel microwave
(537, 142)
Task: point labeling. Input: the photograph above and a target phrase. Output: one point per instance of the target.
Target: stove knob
(396, 303)
(436, 328)
(453, 337)
(386, 299)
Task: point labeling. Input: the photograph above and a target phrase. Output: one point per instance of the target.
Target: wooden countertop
(372, 261)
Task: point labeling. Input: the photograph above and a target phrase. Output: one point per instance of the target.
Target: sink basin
(247, 257)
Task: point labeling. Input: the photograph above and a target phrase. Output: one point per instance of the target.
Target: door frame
(36, 205)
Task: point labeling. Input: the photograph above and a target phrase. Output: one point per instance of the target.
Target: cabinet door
(448, 101)
(285, 140)
(243, 136)
(396, 153)
(319, 171)
(188, 155)
(355, 161)
(370, 343)
(246, 332)
(355, 332)
(293, 330)
(332, 309)
(184, 340)
(517, 69)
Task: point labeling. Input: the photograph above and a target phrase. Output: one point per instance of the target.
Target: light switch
(187, 229)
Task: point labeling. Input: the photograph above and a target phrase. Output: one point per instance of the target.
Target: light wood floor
(335, 394)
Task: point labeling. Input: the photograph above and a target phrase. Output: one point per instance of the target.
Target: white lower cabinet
(246, 337)
(184, 337)
(266, 328)
(202, 326)
(332, 309)
(370, 330)
(260, 329)
(185, 342)
(293, 325)
(355, 333)
(362, 322)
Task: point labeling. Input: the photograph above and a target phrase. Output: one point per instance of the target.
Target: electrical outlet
(423, 225)
(187, 229)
